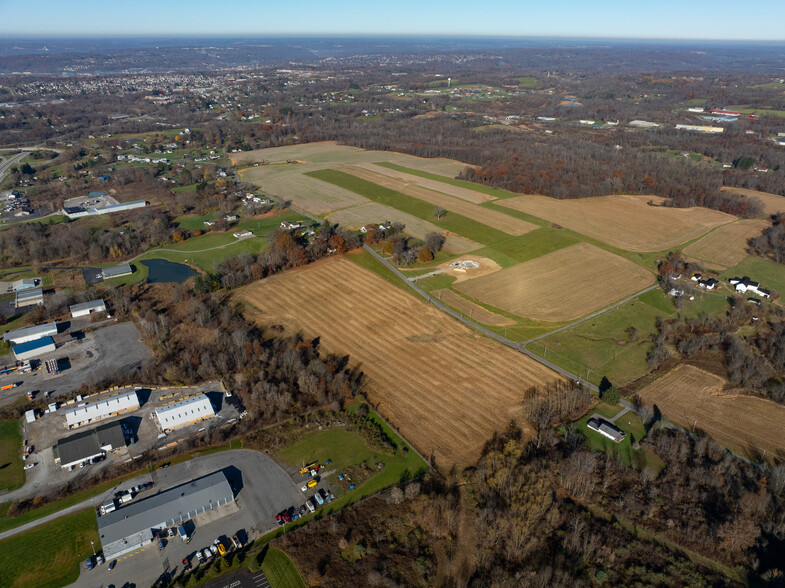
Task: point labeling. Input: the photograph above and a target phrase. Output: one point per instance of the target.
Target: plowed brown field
(492, 218)
(560, 286)
(695, 398)
(727, 245)
(446, 388)
(624, 221)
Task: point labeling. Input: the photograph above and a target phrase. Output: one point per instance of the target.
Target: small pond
(163, 271)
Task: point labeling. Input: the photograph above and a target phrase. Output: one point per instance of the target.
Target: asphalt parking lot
(100, 354)
(262, 489)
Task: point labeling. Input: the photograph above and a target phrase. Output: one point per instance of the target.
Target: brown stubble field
(693, 397)
(492, 218)
(624, 221)
(772, 203)
(446, 388)
(726, 246)
(560, 286)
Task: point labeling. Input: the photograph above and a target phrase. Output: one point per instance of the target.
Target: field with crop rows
(446, 388)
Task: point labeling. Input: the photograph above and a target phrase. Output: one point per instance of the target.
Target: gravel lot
(100, 354)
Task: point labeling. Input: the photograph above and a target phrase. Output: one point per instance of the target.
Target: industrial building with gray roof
(133, 526)
(84, 446)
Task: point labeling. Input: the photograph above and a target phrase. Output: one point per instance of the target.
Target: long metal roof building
(184, 412)
(31, 333)
(100, 409)
(131, 527)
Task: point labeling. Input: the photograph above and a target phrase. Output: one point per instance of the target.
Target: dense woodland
(551, 512)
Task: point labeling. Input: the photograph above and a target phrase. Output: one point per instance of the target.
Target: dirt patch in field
(374, 212)
(772, 203)
(564, 285)
(492, 218)
(624, 221)
(726, 246)
(445, 387)
(472, 310)
(698, 399)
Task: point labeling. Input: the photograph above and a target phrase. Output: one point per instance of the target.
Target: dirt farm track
(446, 388)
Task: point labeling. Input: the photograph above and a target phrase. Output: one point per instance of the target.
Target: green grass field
(12, 473)
(515, 250)
(48, 555)
(452, 221)
(280, 570)
(602, 346)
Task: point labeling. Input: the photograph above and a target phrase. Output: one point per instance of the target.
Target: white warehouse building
(101, 409)
(85, 308)
(184, 412)
(31, 333)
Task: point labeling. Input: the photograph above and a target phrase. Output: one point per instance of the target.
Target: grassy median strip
(48, 555)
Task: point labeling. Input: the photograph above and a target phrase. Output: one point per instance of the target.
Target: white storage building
(85, 308)
(184, 412)
(101, 409)
(31, 333)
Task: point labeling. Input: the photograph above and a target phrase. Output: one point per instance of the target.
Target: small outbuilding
(29, 297)
(85, 308)
(606, 429)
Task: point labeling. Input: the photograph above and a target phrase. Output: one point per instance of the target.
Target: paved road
(9, 162)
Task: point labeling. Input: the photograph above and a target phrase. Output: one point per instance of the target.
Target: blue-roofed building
(33, 349)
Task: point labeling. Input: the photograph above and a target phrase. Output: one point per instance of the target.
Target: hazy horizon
(700, 20)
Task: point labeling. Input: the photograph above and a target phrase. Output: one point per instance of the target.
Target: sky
(651, 19)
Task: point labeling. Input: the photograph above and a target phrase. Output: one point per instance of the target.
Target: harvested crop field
(330, 153)
(373, 212)
(446, 388)
(560, 286)
(772, 203)
(307, 193)
(726, 246)
(456, 191)
(693, 397)
(281, 172)
(472, 310)
(624, 221)
(486, 216)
